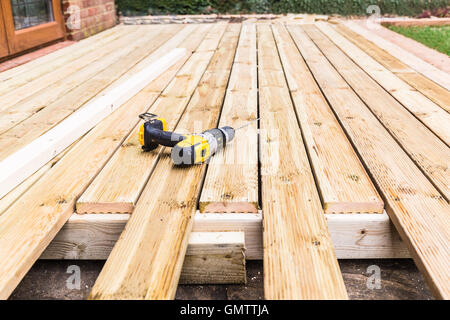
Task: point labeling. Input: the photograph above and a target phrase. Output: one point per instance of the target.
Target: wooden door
(4, 51)
(30, 23)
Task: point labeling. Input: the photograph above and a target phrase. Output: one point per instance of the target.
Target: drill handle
(155, 137)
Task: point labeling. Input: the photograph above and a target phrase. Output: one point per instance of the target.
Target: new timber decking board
(113, 55)
(438, 76)
(47, 205)
(39, 123)
(231, 183)
(418, 211)
(429, 113)
(119, 184)
(17, 192)
(22, 74)
(415, 79)
(35, 86)
(428, 152)
(146, 261)
(299, 259)
(342, 181)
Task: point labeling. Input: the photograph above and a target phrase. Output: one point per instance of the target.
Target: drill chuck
(199, 148)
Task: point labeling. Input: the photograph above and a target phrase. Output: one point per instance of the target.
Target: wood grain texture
(18, 91)
(56, 59)
(415, 79)
(418, 211)
(35, 97)
(231, 183)
(47, 205)
(342, 181)
(429, 113)
(438, 76)
(427, 151)
(44, 120)
(146, 261)
(299, 259)
(214, 257)
(211, 257)
(354, 236)
(118, 186)
(15, 194)
(24, 162)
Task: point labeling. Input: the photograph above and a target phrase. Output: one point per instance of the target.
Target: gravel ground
(400, 279)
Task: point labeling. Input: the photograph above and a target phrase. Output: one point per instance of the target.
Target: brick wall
(85, 18)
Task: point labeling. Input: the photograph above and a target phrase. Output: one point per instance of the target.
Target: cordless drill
(186, 149)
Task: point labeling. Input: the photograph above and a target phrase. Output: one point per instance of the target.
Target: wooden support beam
(211, 257)
(427, 151)
(47, 205)
(299, 259)
(146, 261)
(342, 181)
(354, 236)
(415, 79)
(231, 183)
(23, 163)
(416, 208)
(119, 185)
(425, 110)
(214, 257)
(438, 76)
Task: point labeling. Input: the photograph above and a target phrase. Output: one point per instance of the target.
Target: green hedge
(342, 7)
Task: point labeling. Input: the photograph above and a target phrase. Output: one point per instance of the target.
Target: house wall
(85, 18)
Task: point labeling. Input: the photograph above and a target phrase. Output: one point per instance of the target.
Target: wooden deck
(350, 154)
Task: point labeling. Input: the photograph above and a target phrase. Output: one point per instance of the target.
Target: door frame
(4, 49)
(27, 38)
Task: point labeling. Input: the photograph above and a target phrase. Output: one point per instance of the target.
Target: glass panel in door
(29, 13)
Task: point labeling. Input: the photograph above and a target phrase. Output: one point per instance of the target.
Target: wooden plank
(428, 152)
(418, 211)
(354, 236)
(429, 88)
(26, 161)
(428, 70)
(146, 262)
(118, 186)
(231, 183)
(20, 75)
(429, 113)
(211, 257)
(342, 181)
(17, 90)
(36, 96)
(214, 257)
(15, 194)
(299, 259)
(36, 125)
(249, 223)
(47, 205)
(365, 236)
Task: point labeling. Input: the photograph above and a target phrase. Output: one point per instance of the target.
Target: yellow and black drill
(186, 149)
